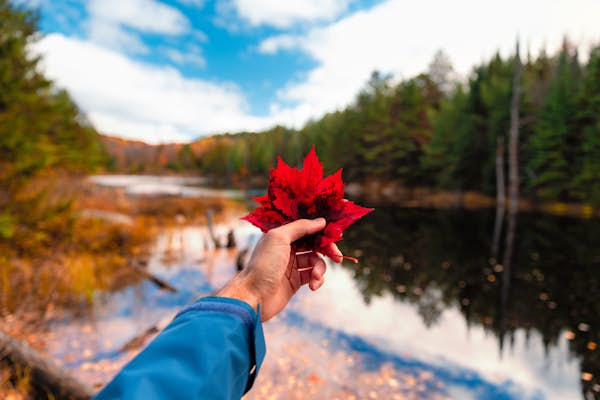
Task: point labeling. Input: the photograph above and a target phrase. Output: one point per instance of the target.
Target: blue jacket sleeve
(213, 349)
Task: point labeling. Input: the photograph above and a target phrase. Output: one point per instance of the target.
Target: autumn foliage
(296, 194)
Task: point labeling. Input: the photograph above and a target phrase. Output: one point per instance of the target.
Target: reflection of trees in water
(440, 258)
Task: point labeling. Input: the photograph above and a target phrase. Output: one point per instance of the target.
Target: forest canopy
(433, 130)
(42, 131)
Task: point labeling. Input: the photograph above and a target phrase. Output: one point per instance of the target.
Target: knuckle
(274, 234)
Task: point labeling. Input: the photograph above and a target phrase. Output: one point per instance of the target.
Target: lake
(440, 306)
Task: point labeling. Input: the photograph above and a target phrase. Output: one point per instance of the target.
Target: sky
(175, 70)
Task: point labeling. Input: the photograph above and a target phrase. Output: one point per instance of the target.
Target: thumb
(302, 227)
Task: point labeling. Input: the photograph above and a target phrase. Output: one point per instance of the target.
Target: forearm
(207, 352)
(241, 288)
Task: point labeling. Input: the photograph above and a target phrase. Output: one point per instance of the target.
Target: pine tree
(552, 145)
(41, 126)
(462, 150)
(372, 106)
(412, 106)
(444, 155)
(537, 75)
(587, 185)
(41, 129)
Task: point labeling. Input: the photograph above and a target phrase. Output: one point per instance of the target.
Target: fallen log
(240, 260)
(46, 379)
(211, 230)
(154, 279)
(230, 240)
(140, 340)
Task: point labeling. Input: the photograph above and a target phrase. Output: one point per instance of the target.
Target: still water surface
(435, 309)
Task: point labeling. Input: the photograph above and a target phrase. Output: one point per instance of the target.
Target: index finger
(302, 227)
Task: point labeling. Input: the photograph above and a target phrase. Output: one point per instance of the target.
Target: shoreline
(379, 193)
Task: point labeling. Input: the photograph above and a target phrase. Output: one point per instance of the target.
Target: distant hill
(135, 156)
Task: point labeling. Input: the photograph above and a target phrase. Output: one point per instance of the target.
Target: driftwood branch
(154, 279)
(47, 380)
(140, 340)
(211, 229)
(240, 260)
(231, 240)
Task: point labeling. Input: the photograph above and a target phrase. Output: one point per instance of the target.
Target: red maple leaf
(295, 194)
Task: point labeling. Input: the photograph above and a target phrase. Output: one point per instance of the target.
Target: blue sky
(174, 70)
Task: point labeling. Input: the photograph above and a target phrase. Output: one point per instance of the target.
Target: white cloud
(116, 24)
(136, 100)
(154, 103)
(283, 14)
(193, 56)
(200, 36)
(143, 15)
(401, 38)
(114, 36)
(280, 42)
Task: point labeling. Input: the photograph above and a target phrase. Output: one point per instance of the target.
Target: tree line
(434, 130)
(42, 132)
(430, 130)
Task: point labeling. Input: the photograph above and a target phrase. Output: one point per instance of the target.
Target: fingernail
(320, 220)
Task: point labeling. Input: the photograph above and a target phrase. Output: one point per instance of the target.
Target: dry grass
(58, 263)
(72, 240)
(92, 258)
(62, 255)
(160, 209)
(57, 259)
(14, 388)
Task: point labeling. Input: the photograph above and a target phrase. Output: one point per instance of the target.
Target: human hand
(274, 273)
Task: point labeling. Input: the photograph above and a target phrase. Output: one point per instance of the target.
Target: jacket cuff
(249, 318)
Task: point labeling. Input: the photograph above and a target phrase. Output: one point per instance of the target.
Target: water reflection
(96, 344)
(439, 259)
(421, 317)
(155, 185)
